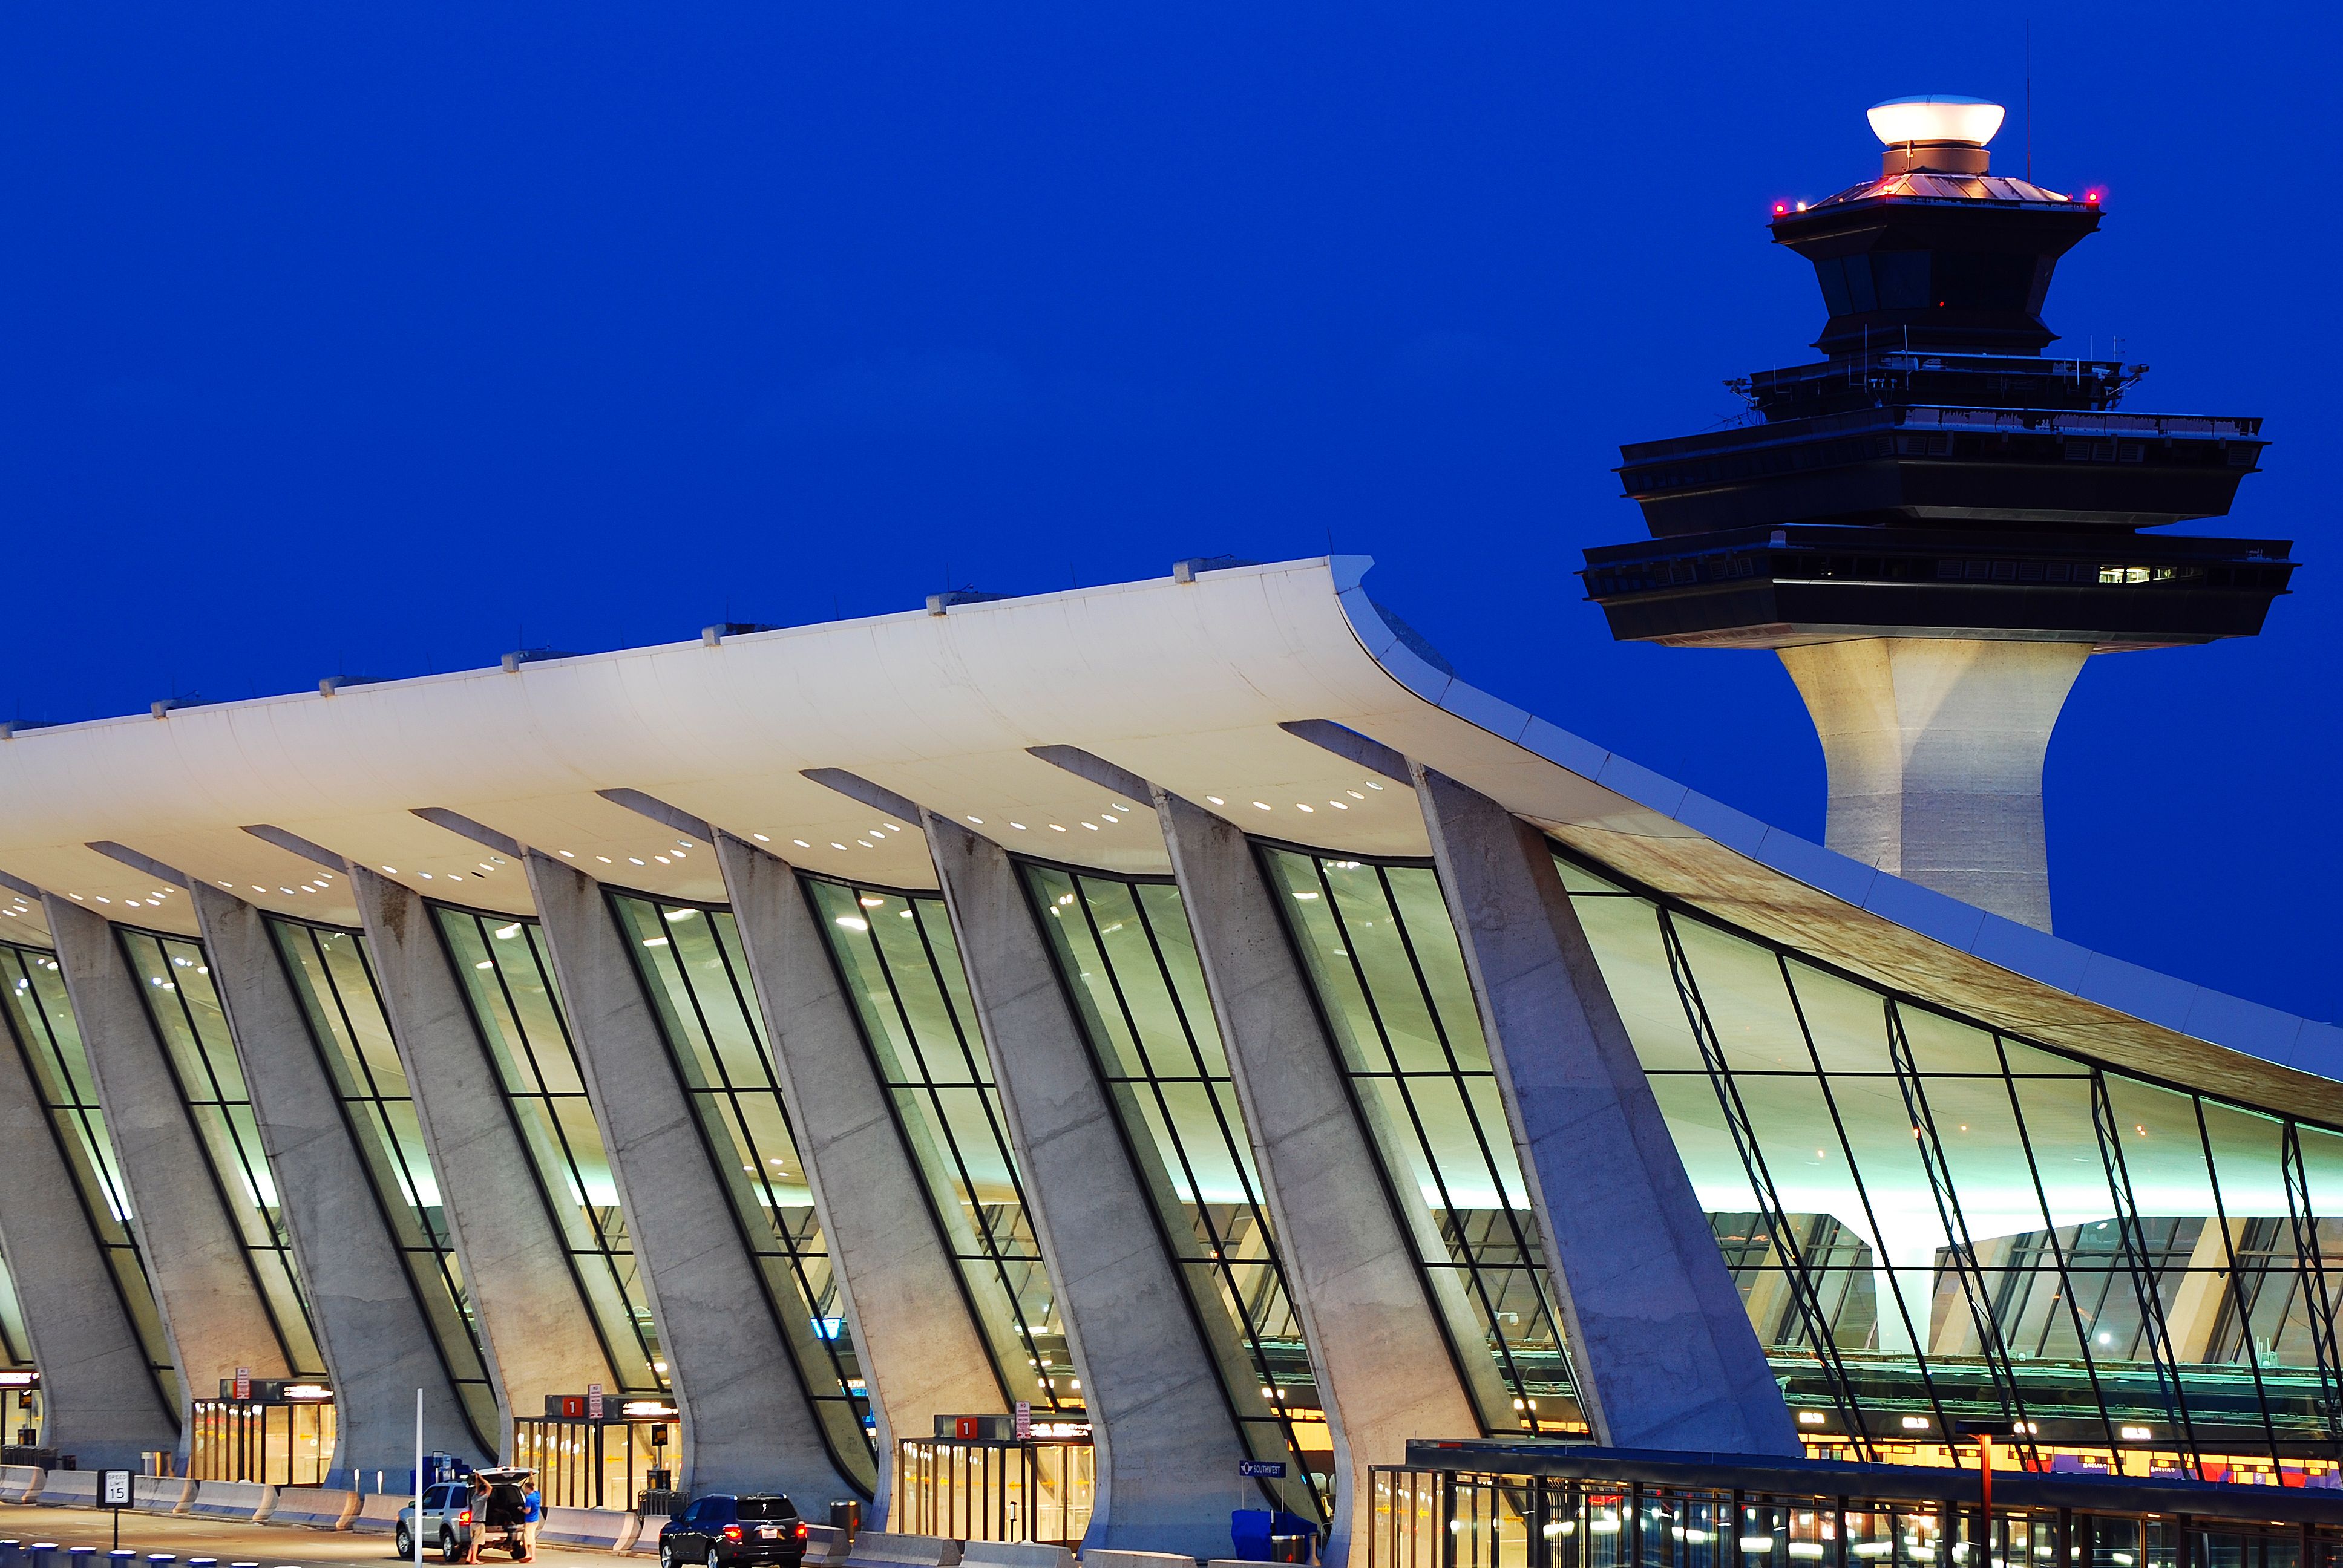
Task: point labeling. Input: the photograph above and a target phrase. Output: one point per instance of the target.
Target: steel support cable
(2134, 1238)
(2239, 1301)
(1753, 1161)
(2304, 1220)
(1955, 1222)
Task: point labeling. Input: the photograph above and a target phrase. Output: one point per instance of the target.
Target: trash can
(846, 1514)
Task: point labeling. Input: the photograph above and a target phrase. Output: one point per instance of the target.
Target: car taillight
(731, 1532)
(465, 1517)
(799, 1531)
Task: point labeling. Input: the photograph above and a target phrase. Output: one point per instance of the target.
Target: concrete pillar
(1935, 746)
(922, 1353)
(195, 1260)
(370, 1327)
(102, 1399)
(1662, 1352)
(536, 1332)
(1384, 1369)
(747, 1425)
(1168, 1444)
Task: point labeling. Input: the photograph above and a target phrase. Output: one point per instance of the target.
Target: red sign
(966, 1428)
(593, 1401)
(242, 1382)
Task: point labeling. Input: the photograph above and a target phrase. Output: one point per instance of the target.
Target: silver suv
(446, 1522)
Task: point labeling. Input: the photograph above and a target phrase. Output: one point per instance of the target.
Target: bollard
(9, 1553)
(162, 1559)
(41, 1554)
(122, 1558)
(203, 1563)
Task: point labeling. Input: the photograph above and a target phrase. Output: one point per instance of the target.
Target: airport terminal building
(1040, 1065)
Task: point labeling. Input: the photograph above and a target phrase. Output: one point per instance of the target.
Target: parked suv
(724, 1532)
(446, 1521)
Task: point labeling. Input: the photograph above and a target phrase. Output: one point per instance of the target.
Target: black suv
(724, 1532)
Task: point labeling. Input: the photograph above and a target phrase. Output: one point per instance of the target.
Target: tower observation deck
(1936, 523)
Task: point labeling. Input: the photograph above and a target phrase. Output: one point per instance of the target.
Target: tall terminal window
(175, 978)
(507, 977)
(1934, 1221)
(40, 1020)
(697, 975)
(1129, 961)
(1383, 959)
(342, 1003)
(902, 972)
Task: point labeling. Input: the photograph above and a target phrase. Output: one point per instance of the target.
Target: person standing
(532, 1514)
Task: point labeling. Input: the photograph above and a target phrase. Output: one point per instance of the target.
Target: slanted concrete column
(1935, 747)
(203, 1280)
(1168, 1444)
(102, 1402)
(1661, 1351)
(746, 1423)
(1384, 1369)
(370, 1327)
(535, 1330)
(921, 1354)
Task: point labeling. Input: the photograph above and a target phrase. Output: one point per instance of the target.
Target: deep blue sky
(376, 338)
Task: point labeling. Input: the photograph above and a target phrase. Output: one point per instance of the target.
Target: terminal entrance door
(974, 1490)
(585, 1463)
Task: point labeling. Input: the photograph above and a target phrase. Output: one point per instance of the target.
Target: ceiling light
(902, 914)
(229, 886)
(507, 933)
(864, 842)
(662, 859)
(258, 889)
(635, 860)
(870, 902)
(978, 820)
(1261, 804)
(1120, 807)
(1057, 828)
(800, 843)
(484, 865)
(1216, 801)
(836, 845)
(1092, 826)
(1340, 805)
(654, 941)
(485, 964)
(390, 870)
(569, 855)
(1305, 806)
(1372, 785)
(679, 914)
(605, 859)
(1019, 825)
(426, 876)
(854, 922)
(760, 838)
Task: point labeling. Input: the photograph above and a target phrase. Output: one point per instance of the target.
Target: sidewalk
(272, 1546)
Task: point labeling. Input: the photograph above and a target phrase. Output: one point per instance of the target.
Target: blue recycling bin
(1249, 1531)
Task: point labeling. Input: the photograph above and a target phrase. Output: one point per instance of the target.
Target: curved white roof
(1184, 683)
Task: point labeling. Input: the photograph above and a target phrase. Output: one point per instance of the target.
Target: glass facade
(507, 976)
(1932, 1221)
(902, 972)
(342, 1003)
(1390, 979)
(175, 978)
(697, 976)
(40, 1020)
(272, 1443)
(1129, 961)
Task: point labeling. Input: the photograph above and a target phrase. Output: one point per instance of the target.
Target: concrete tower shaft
(1935, 746)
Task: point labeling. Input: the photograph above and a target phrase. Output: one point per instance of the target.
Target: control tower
(1935, 523)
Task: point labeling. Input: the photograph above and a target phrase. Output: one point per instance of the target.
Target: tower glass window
(342, 1004)
(1390, 979)
(40, 1018)
(1129, 961)
(507, 977)
(900, 969)
(697, 975)
(175, 978)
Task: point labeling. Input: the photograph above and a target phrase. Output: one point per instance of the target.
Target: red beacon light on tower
(2091, 198)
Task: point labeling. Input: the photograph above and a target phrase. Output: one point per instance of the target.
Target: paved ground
(272, 1545)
